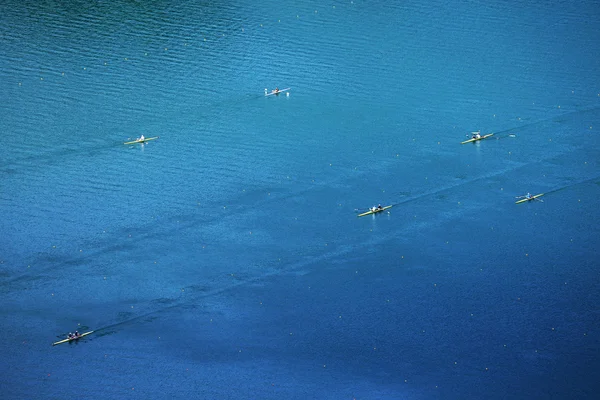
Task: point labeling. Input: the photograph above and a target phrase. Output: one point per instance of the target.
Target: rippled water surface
(225, 260)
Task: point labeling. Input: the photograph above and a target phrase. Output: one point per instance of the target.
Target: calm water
(224, 260)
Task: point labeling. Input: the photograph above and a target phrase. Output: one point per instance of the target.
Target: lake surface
(224, 260)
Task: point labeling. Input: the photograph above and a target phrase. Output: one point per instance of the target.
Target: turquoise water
(225, 260)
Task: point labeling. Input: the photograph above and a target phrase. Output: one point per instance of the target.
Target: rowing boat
(529, 199)
(476, 139)
(374, 211)
(274, 92)
(73, 338)
(142, 141)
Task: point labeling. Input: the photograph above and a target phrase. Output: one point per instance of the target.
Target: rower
(76, 334)
(276, 90)
(379, 207)
(476, 135)
(70, 335)
(528, 196)
(141, 139)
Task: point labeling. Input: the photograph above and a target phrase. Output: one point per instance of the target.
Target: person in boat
(379, 207)
(141, 139)
(476, 135)
(70, 335)
(529, 196)
(276, 90)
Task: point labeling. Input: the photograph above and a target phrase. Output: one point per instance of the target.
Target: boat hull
(477, 139)
(142, 141)
(532, 198)
(374, 212)
(72, 339)
(276, 93)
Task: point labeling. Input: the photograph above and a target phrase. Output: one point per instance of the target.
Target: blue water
(224, 260)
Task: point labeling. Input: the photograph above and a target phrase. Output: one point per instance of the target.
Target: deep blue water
(224, 260)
